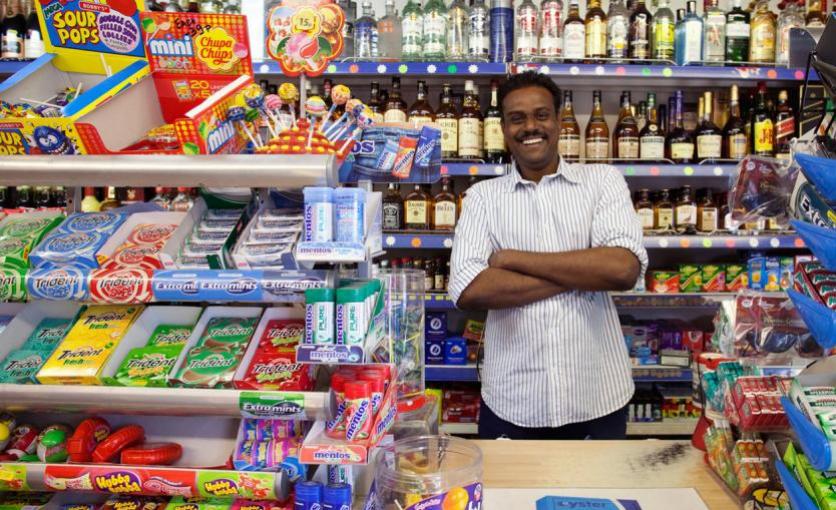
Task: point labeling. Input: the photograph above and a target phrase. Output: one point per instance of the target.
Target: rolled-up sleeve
(472, 246)
(615, 223)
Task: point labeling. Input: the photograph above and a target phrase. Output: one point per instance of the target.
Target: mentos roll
(359, 413)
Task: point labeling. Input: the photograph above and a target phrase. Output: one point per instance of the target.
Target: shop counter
(647, 464)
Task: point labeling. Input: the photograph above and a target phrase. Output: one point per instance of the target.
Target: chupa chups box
(80, 357)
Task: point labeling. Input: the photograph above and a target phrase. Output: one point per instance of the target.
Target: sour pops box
(88, 345)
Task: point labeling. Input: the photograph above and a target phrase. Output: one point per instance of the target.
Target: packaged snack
(757, 272)
(148, 366)
(168, 334)
(713, 278)
(772, 275)
(787, 266)
(151, 233)
(152, 454)
(52, 444)
(23, 441)
(19, 235)
(664, 282)
(273, 235)
(102, 324)
(107, 222)
(21, 366)
(690, 278)
(208, 367)
(210, 235)
(86, 438)
(228, 332)
(113, 444)
(282, 333)
(276, 369)
(736, 277)
(47, 334)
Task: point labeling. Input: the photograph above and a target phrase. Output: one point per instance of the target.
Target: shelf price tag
(271, 405)
(13, 478)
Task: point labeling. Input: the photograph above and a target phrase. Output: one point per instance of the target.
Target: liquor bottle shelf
(444, 240)
(366, 68)
(656, 169)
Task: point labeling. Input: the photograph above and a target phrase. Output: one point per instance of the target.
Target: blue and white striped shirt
(563, 359)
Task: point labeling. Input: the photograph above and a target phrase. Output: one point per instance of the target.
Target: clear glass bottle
(435, 30)
(412, 31)
(641, 26)
(737, 33)
(458, 18)
(478, 40)
(502, 31)
(652, 137)
(551, 28)
(762, 43)
(597, 143)
(161, 198)
(596, 31)
(789, 18)
(350, 10)
(574, 34)
(365, 33)
(664, 29)
(183, 201)
(527, 30)
(389, 33)
(714, 35)
(569, 139)
(618, 31)
(689, 34)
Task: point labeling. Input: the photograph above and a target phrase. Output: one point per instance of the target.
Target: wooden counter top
(602, 464)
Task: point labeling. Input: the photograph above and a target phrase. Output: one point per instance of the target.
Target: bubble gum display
(148, 366)
(109, 449)
(19, 234)
(152, 454)
(52, 443)
(86, 437)
(207, 367)
(169, 335)
(274, 368)
(78, 239)
(79, 358)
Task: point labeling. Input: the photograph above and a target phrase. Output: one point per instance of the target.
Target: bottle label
(34, 46)
(663, 36)
(435, 35)
(12, 45)
(686, 215)
(394, 115)
(646, 218)
(412, 36)
(709, 146)
(737, 30)
(708, 220)
(527, 45)
(597, 148)
(439, 282)
(664, 219)
(445, 214)
(416, 212)
(418, 121)
(738, 146)
(762, 47)
(391, 216)
(574, 40)
(449, 135)
(682, 150)
(639, 44)
(693, 41)
(652, 147)
(715, 37)
(551, 42)
(596, 38)
(494, 139)
(569, 146)
(617, 28)
(526, 32)
(628, 147)
(784, 128)
(763, 136)
(470, 138)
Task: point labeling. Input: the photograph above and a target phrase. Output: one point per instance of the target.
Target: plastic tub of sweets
(429, 472)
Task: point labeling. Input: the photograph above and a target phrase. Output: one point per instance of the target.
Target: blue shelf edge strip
(812, 440)
(799, 499)
(457, 373)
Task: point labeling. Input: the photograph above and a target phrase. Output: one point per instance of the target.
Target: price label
(271, 405)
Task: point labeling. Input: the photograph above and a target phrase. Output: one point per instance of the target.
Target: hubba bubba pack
(178, 100)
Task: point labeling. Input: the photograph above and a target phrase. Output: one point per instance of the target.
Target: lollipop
(350, 109)
(254, 98)
(355, 111)
(239, 114)
(315, 108)
(339, 95)
(364, 118)
(272, 104)
(289, 94)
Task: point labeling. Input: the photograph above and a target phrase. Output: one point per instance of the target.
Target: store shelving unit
(642, 373)
(672, 427)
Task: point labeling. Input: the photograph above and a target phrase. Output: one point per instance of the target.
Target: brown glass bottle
(448, 121)
(784, 126)
(470, 124)
(815, 14)
(596, 31)
(652, 137)
(392, 208)
(644, 209)
(421, 112)
(663, 211)
(429, 274)
(708, 213)
(438, 276)
(709, 137)
(395, 110)
(110, 202)
(735, 143)
(463, 193)
(417, 209)
(680, 145)
(569, 139)
(374, 102)
(685, 212)
(494, 140)
(763, 129)
(597, 141)
(444, 207)
(625, 143)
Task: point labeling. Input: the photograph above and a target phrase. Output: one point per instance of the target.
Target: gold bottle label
(738, 146)
(394, 115)
(494, 139)
(664, 219)
(416, 212)
(628, 147)
(470, 138)
(449, 135)
(646, 218)
(445, 214)
(709, 146)
(597, 148)
(569, 146)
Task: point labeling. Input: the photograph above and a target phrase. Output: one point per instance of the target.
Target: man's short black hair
(529, 79)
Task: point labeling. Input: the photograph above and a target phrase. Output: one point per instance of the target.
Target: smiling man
(539, 249)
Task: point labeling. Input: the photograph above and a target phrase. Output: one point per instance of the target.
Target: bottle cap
(337, 494)
(318, 295)
(309, 492)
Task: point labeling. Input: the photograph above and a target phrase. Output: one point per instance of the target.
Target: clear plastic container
(417, 416)
(319, 215)
(349, 212)
(428, 472)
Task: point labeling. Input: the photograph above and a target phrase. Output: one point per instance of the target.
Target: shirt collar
(564, 169)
